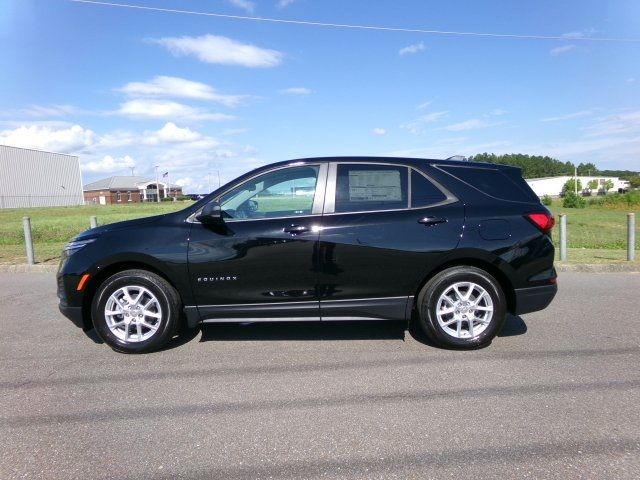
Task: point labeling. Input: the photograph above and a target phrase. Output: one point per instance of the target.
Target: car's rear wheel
(136, 311)
(462, 307)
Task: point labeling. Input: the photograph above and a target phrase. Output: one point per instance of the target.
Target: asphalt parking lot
(557, 395)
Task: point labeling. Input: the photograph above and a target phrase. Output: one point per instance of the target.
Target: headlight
(76, 245)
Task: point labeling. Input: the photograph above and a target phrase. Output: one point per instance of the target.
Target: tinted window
(490, 181)
(281, 193)
(423, 192)
(370, 187)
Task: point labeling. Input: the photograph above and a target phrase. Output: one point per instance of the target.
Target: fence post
(93, 221)
(631, 237)
(563, 237)
(28, 242)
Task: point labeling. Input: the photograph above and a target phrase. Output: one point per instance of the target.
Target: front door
(261, 263)
(384, 227)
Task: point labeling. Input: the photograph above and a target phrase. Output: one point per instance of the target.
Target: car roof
(416, 162)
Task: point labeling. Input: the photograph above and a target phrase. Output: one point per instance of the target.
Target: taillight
(543, 220)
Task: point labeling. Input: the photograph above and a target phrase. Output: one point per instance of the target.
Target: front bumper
(70, 299)
(74, 314)
(532, 299)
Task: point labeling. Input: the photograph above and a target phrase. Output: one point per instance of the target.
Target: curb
(26, 268)
(598, 267)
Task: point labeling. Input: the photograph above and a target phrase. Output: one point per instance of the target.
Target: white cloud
(171, 133)
(71, 139)
(424, 105)
(41, 111)
(295, 91)
(108, 164)
(182, 150)
(631, 80)
(284, 3)
(379, 131)
(497, 112)
(628, 122)
(184, 182)
(417, 126)
(149, 109)
(557, 51)
(579, 33)
(433, 116)
(245, 5)
(472, 124)
(175, 87)
(568, 116)
(411, 49)
(221, 50)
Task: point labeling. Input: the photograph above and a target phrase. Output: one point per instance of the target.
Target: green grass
(60, 224)
(598, 255)
(594, 227)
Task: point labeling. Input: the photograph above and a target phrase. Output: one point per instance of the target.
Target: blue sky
(196, 95)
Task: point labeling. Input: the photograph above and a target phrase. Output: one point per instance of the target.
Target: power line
(358, 27)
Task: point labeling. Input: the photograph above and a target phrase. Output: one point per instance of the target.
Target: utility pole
(132, 169)
(218, 171)
(575, 181)
(157, 186)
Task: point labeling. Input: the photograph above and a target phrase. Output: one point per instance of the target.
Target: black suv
(454, 245)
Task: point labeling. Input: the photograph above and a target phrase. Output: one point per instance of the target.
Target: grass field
(595, 234)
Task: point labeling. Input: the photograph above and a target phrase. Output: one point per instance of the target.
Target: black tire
(169, 311)
(440, 283)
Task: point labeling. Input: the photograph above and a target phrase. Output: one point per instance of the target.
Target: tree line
(536, 166)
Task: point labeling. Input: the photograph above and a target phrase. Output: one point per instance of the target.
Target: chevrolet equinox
(454, 245)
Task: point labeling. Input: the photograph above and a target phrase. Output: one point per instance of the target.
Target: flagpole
(157, 186)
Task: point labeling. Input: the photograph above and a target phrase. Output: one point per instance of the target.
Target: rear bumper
(533, 299)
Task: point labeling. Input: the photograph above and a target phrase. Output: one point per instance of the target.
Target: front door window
(286, 192)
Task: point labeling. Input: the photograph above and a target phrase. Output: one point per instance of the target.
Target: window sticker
(374, 186)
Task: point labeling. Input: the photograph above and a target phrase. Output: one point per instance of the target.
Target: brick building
(127, 189)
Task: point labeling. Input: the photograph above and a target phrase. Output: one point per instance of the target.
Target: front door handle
(295, 229)
(429, 221)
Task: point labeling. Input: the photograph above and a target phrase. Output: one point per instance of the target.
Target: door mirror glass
(211, 213)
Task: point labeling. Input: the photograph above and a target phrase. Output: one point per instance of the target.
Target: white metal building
(552, 186)
(32, 178)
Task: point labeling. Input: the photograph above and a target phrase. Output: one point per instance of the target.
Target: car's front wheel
(136, 311)
(462, 307)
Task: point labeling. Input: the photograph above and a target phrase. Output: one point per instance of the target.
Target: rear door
(384, 226)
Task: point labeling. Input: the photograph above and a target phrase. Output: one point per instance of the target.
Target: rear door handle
(429, 221)
(295, 229)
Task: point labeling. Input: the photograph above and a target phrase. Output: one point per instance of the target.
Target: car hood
(96, 232)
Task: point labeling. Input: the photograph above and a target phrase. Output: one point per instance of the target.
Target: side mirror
(211, 213)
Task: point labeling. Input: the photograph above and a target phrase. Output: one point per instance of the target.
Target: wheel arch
(105, 272)
(483, 264)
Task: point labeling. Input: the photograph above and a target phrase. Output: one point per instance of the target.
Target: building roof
(36, 150)
(123, 182)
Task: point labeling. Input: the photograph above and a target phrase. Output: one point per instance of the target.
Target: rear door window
(370, 187)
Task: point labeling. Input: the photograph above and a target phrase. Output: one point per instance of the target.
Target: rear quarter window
(493, 182)
(423, 192)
